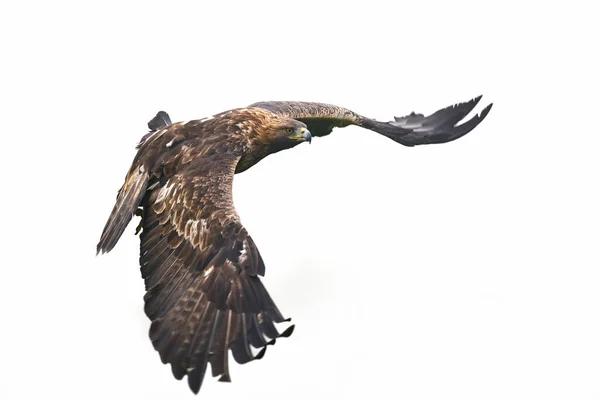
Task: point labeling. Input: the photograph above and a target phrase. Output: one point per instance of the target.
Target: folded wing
(128, 199)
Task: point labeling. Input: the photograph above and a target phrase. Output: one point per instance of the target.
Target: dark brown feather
(200, 266)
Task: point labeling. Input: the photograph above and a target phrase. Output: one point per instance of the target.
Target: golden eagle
(201, 267)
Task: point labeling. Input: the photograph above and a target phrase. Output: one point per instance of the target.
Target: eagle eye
(289, 131)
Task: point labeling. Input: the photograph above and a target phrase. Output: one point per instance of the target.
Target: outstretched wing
(201, 270)
(414, 129)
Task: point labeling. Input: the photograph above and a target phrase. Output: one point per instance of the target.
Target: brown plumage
(201, 267)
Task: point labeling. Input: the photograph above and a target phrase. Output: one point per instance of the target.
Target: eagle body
(201, 268)
(246, 132)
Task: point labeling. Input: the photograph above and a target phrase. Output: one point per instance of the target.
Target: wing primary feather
(159, 294)
(267, 326)
(288, 332)
(178, 358)
(240, 347)
(175, 292)
(439, 127)
(160, 272)
(257, 338)
(196, 376)
(449, 116)
(199, 325)
(148, 255)
(225, 377)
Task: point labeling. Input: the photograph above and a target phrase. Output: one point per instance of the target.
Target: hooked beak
(306, 135)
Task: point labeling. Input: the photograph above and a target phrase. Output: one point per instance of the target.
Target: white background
(468, 270)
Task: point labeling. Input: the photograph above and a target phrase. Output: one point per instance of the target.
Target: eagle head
(280, 133)
(269, 133)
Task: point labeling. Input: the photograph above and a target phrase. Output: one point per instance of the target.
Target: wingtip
(194, 389)
(288, 332)
(485, 111)
(195, 380)
(261, 353)
(473, 102)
